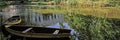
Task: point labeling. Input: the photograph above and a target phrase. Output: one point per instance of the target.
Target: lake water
(30, 16)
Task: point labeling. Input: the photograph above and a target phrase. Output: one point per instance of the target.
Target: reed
(92, 28)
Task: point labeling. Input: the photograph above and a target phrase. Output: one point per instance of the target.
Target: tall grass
(91, 28)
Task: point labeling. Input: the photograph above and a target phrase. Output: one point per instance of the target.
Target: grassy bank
(93, 28)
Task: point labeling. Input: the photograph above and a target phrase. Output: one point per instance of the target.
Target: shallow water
(31, 17)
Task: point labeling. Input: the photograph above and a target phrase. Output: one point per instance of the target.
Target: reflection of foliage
(92, 28)
(2, 3)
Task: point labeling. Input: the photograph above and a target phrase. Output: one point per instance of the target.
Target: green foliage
(2, 3)
(57, 1)
(73, 2)
(92, 28)
(114, 2)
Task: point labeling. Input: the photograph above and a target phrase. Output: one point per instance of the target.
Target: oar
(56, 32)
(28, 29)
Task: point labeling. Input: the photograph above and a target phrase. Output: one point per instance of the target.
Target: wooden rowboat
(31, 32)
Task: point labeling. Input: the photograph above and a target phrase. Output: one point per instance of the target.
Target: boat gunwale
(38, 35)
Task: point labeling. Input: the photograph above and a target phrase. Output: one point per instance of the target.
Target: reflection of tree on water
(46, 16)
(31, 17)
